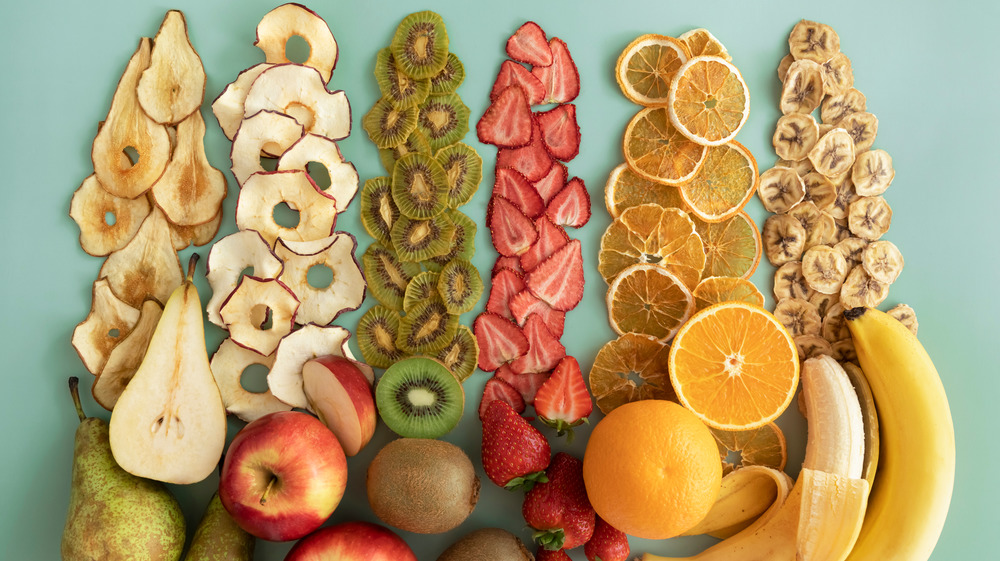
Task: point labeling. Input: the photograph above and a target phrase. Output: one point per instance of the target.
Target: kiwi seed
(388, 126)
(377, 331)
(444, 119)
(418, 397)
(420, 45)
(386, 275)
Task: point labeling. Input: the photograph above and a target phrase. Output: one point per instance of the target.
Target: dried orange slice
(734, 366)
(732, 247)
(701, 42)
(626, 189)
(708, 101)
(656, 150)
(652, 234)
(764, 446)
(648, 299)
(646, 67)
(714, 290)
(727, 180)
(630, 368)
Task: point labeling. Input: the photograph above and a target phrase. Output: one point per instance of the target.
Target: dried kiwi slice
(419, 398)
(378, 210)
(419, 240)
(460, 286)
(464, 168)
(462, 354)
(426, 328)
(401, 90)
(388, 126)
(416, 142)
(377, 331)
(463, 244)
(423, 287)
(444, 119)
(419, 186)
(420, 45)
(387, 275)
(450, 77)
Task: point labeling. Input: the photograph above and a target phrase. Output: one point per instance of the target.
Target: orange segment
(732, 247)
(734, 365)
(715, 290)
(701, 42)
(724, 185)
(656, 150)
(626, 189)
(648, 299)
(646, 67)
(709, 101)
(764, 446)
(630, 368)
(650, 233)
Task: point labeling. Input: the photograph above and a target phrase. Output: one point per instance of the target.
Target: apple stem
(263, 498)
(74, 390)
(191, 265)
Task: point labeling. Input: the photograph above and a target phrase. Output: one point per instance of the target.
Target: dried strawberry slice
(561, 78)
(558, 280)
(498, 389)
(529, 45)
(571, 206)
(552, 182)
(504, 285)
(544, 349)
(504, 262)
(515, 187)
(563, 401)
(532, 160)
(507, 122)
(500, 341)
(551, 238)
(513, 232)
(527, 384)
(560, 132)
(524, 304)
(513, 74)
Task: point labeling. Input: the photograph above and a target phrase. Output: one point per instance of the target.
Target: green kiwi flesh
(487, 544)
(416, 142)
(388, 126)
(420, 45)
(419, 186)
(426, 328)
(461, 354)
(401, 90)
(450, 77)
(418, 397)
(460, 286)
(377, 331)
(423, 287)
(463, 244)
(444, 119)
(464, 168)
(419, 240)
(378, 210)
(386, 275)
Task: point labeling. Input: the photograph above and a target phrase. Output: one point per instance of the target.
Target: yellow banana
(868, 411)
(916, 471)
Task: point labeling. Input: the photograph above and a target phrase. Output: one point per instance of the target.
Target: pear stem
(192, 263)
(74, 390)
(270, 484)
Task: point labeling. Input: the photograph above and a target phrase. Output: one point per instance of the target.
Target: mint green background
(928, 70)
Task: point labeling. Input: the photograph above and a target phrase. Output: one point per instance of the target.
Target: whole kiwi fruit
(487, 544)
(422, 485)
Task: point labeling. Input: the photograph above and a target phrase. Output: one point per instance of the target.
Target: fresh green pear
(219, 537)
(114, 515)
(169, 424)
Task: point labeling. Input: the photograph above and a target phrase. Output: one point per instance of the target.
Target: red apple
(338, 391)
(352, 541)
(283, 476)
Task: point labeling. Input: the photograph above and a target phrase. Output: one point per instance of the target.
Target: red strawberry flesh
(524, 304)
(551, 238)
(561, 78)
(526, 384)
(500, 341)
(496, 388)
(512, 231)
(532, 160)
(503, 286)
(504, 262)
(544, 349)
(560, 132)
(552, 182)
(515, 187)
(513, 74)
(529, 45)
(563, 401)
(507, 122)
(514, 453)
(558, 281)
(571, 206)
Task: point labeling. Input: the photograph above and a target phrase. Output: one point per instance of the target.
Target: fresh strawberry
(507, 121)
(515, 187)
(532, 160)
(504, 262)
(526, 384)
(571, 206)
(559, 510)
(563, 401)
(524, 304)
(561, 78)
(528, 45)
(544, 349)
(552, 182)
(560, 133)
(497, 388)
(607, 544)
(551, 238)
(503, 286)
(546, 555)
(515, 454)
(558, 280)
(512, 231)
(500, 341)
(513, 74)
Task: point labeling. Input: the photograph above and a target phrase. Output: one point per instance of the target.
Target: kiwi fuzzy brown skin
(487, 544)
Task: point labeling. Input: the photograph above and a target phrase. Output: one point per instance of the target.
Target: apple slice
(191, 191)
(228, 107)
(147, 265)
(106, 222)
(125, 358)
(227, 261)
(286, 21)
(314, 148)
(198, 235)
(263, 191)
(109, 320)
(346, 291)
(299, 91)
(268, 132)
(301, 346)
(228, 364)
(173, 86)
(338, 392)
(255, 303)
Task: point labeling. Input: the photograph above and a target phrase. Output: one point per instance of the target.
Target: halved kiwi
(419, 186)
(450, 77)
(387, 275)
(388, 126)
(420, 45)
(461, 354)
(422, 287)
(416, 142)
(464, 168)
(426, 328)
(377, 331)
(418, 397)
(378, 210)
(444, 119)
(460, 286)
(419, 240)
(401, 90)
(463, 244)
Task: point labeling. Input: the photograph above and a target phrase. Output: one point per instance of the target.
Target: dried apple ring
(147, 265)
(107, 223)
(299, 92)
(265, 132)
(228, 107)
(257, 303)
(290, 20)
(346, 291)
(263, 191)
(314, 148)
(228, 364)
(110, 319)
(229, 257)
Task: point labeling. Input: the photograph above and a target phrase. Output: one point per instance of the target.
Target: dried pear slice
(109, 321)
(259, 313)
(126, 356)
(427, 328)
(790, 282)
(228, 364)
(883, 261)
(861, 290)
(852, 249)
(147, 265)
(835, 325)
(344, 293)
(780, 189)
(906, 315)
(290, 20)
(819, 190)
(299, 91)
(228, 107)
(106, 222)
(314, 148)
(811, 346)
(229, 257)
(872, 173)
(824, 269)
(813, 41)
(464, 169)
(794, 136)
(263, 191)
(378, 210)
(173, 86)
(798, 316)
(265, 132)
(838, 75)
(836, 107)
(191, 191)
(198, 235)
(862, 126)
(301, 346)
(387, 275)
(128, 127)
(833, 153)
(802, 91)
(377, 331)
(869, 217)
(784, 239)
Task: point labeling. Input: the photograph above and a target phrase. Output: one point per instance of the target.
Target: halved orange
(648, 299)
(656, 150)
(626, 189)
(715, 290)
(724, 185)
(701, 42)
(734, 366)
(732, 247)
(646, 67)
(708, 100)
(630, 368)
(763, 446)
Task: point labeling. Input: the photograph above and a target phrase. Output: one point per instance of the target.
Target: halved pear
(254, 304)
(314, 148)
(301, 346)
(300, 92)
(228, 107)
(147, 266)
(126, 356)
(173, 86)
(191, 191)
(197, 235)
(106, 222)
(228, 364)
(346, 291)
(263, 191)
(288, 20)
(267, 131)
(227, 261)
(169, 423)
(128, 127)
(109, 320)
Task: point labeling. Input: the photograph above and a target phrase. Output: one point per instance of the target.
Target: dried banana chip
(824, 302)
(798, 316)
(838, 75)
(819, 190)
(795, 135)
(825, 128)
(784, 239)
(869, 217)
(872, 173)
(882, 261)
(802, 91)
(789, 282)
(820, 227)
(814, 41)
(845, 196)
(836, 107)
(801, 167)
(835, 324)
(811, 346)
(851, 248)
(862, 126)
(783, 65)
(824, 269)
(833, 153)
(906, 315)
(843, 229)
(780, 189)
(861, 290)
(844, 351)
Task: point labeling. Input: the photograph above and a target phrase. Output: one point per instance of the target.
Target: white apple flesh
(352, 541)
(339, 392)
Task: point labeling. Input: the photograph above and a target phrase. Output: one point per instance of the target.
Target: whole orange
(652, 469)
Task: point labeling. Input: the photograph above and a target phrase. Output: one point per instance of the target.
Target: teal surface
(928, 70)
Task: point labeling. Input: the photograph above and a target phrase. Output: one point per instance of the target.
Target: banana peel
(745, 495)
